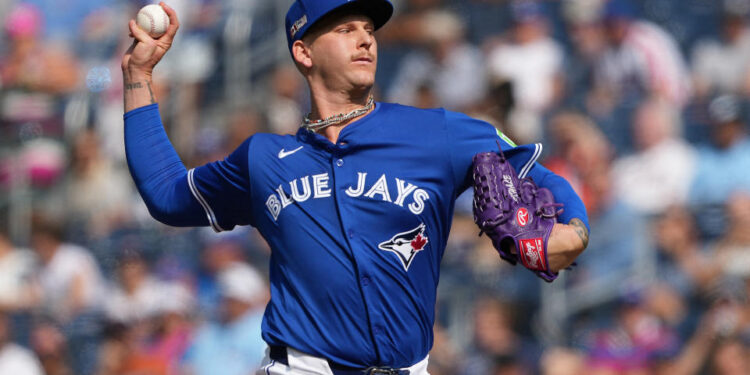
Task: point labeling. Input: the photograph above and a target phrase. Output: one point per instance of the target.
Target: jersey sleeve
(214, 194)
(223, 189)
(563, 192)
(157, 170)
(468, 136)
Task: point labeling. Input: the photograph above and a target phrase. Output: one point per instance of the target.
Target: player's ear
(301, 54)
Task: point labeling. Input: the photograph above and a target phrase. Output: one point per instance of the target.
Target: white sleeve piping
(527, 167)
(197, 194)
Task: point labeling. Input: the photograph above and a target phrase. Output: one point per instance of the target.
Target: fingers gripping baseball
(146, 52)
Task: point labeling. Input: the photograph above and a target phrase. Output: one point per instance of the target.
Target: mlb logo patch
(298, 25)
(532, 253)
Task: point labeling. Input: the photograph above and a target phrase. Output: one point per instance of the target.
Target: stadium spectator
(158, 343)
(63, 28)
(14, 358)
(636, 337)
(731, 252)
(31, 63)
(18, 291)
(586, 34)
(687, 265)
(617, 229)
(218, 254)
(719, 170)
(233, 341)
(531, 61)
(580, 151)
(114, 349)
(95, 194)
(659, 173)
(188, 67)
(68, 274)
(49, 343)
(444, 356)
(243, 122)
(36, 76)
(284, 108)
(722, 64)
(71, 287)
(730, 358)
(562, 361)
(407, 18)
(641, 60)
(499, 347)
(448, 65)
(137, 294)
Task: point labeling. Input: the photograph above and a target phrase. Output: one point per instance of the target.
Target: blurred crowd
(641, 104)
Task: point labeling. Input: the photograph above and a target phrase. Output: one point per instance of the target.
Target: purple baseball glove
(513, 212)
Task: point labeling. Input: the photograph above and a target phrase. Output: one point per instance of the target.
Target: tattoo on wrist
(139, 85)
(133, 86)
(150, 91)
(581, 231)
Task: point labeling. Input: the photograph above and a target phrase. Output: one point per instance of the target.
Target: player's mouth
(363, 59)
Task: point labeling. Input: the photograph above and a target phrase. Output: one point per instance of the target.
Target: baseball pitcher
(356, 206)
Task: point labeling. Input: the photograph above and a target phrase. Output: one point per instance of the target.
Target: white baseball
(153, 20)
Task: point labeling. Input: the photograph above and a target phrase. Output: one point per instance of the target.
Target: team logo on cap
(298, 25)
(406, 244)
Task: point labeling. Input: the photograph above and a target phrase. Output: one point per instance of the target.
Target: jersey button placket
(342, 180)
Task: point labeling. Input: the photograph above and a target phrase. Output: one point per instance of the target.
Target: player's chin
(363, 79)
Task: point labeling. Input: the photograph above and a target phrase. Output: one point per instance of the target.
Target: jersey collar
(346, 142)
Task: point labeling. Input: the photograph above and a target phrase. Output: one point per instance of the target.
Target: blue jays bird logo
(406, 244)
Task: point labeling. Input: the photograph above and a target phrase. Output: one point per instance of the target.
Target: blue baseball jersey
(357, 228)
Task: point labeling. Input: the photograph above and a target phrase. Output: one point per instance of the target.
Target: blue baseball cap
(303, 14)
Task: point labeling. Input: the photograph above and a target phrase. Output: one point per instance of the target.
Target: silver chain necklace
(316, 125)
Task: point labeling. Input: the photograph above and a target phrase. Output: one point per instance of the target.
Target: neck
(326, 103)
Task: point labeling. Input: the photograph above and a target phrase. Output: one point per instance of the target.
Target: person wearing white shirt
(658, 175)
(14, 358)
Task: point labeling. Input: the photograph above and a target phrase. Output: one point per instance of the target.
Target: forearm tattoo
(139, 85)
(151, 92)
(581, 230)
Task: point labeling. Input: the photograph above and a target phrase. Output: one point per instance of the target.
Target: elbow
(165, 200)
(161, 213)
(164, 207)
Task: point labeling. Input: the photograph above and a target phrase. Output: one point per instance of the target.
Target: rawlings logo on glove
(513, 212)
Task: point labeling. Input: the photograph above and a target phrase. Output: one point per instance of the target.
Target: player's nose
(365, 38)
